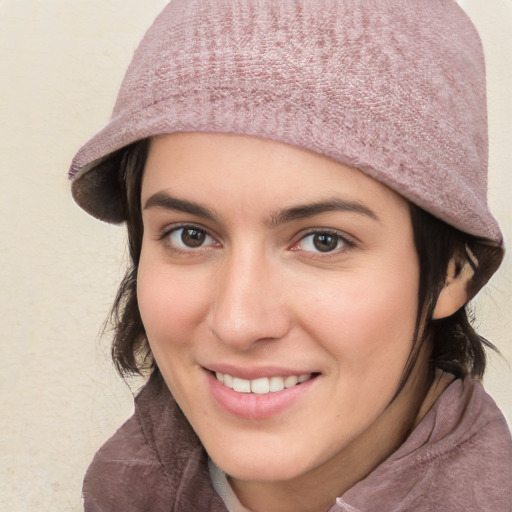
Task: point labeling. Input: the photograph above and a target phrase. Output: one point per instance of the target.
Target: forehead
(237, 172)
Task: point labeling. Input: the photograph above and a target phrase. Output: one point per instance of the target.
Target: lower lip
(253, 406)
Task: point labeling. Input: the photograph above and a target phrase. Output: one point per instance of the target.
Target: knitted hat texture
(395, 88)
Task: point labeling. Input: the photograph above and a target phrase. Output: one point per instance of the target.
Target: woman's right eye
(189, 238)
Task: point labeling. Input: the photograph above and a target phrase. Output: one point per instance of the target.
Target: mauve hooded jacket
(458, 459)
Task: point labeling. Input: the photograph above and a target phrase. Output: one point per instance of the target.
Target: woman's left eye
(189, 237)
(321, 242)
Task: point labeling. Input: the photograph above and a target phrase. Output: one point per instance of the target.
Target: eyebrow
(317, 208)
(168, 202)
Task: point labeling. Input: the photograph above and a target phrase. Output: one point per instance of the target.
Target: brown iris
(324, 242)
(193, 237)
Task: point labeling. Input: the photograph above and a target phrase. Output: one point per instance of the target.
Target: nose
(249, 305)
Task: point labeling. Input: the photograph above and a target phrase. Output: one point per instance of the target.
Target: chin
(269, 470)
(270, 461)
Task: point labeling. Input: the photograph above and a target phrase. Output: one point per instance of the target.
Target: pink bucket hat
(394, 88)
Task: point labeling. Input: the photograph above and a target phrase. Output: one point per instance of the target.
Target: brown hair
(455, 345)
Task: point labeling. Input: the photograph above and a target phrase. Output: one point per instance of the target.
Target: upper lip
(256, 372)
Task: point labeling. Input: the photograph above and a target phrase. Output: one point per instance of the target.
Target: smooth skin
(260, 255)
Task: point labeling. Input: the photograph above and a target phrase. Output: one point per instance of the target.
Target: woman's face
(278, 290)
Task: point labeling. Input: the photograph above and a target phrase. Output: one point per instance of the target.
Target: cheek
(171, 304)
(367, 321)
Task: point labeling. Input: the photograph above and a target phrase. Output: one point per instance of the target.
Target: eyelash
(347, 243)
(165, 237)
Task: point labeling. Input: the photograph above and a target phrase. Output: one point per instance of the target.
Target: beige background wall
(61, 62)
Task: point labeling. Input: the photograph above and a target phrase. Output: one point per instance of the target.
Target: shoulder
(464, 462)
(125, 473)
(459, 458)
(154, 462)
(469, 458)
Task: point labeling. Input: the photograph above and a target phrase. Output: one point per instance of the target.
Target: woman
(304, 187)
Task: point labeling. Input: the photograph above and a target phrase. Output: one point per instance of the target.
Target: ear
(454, 293)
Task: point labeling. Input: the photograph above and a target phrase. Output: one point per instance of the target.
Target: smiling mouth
(264, 385)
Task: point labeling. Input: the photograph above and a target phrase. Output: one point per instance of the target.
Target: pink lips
(253, 406)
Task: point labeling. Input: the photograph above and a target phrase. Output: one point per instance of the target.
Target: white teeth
(241, 385)
(290, 381)
(276, 384)
(262, 385)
